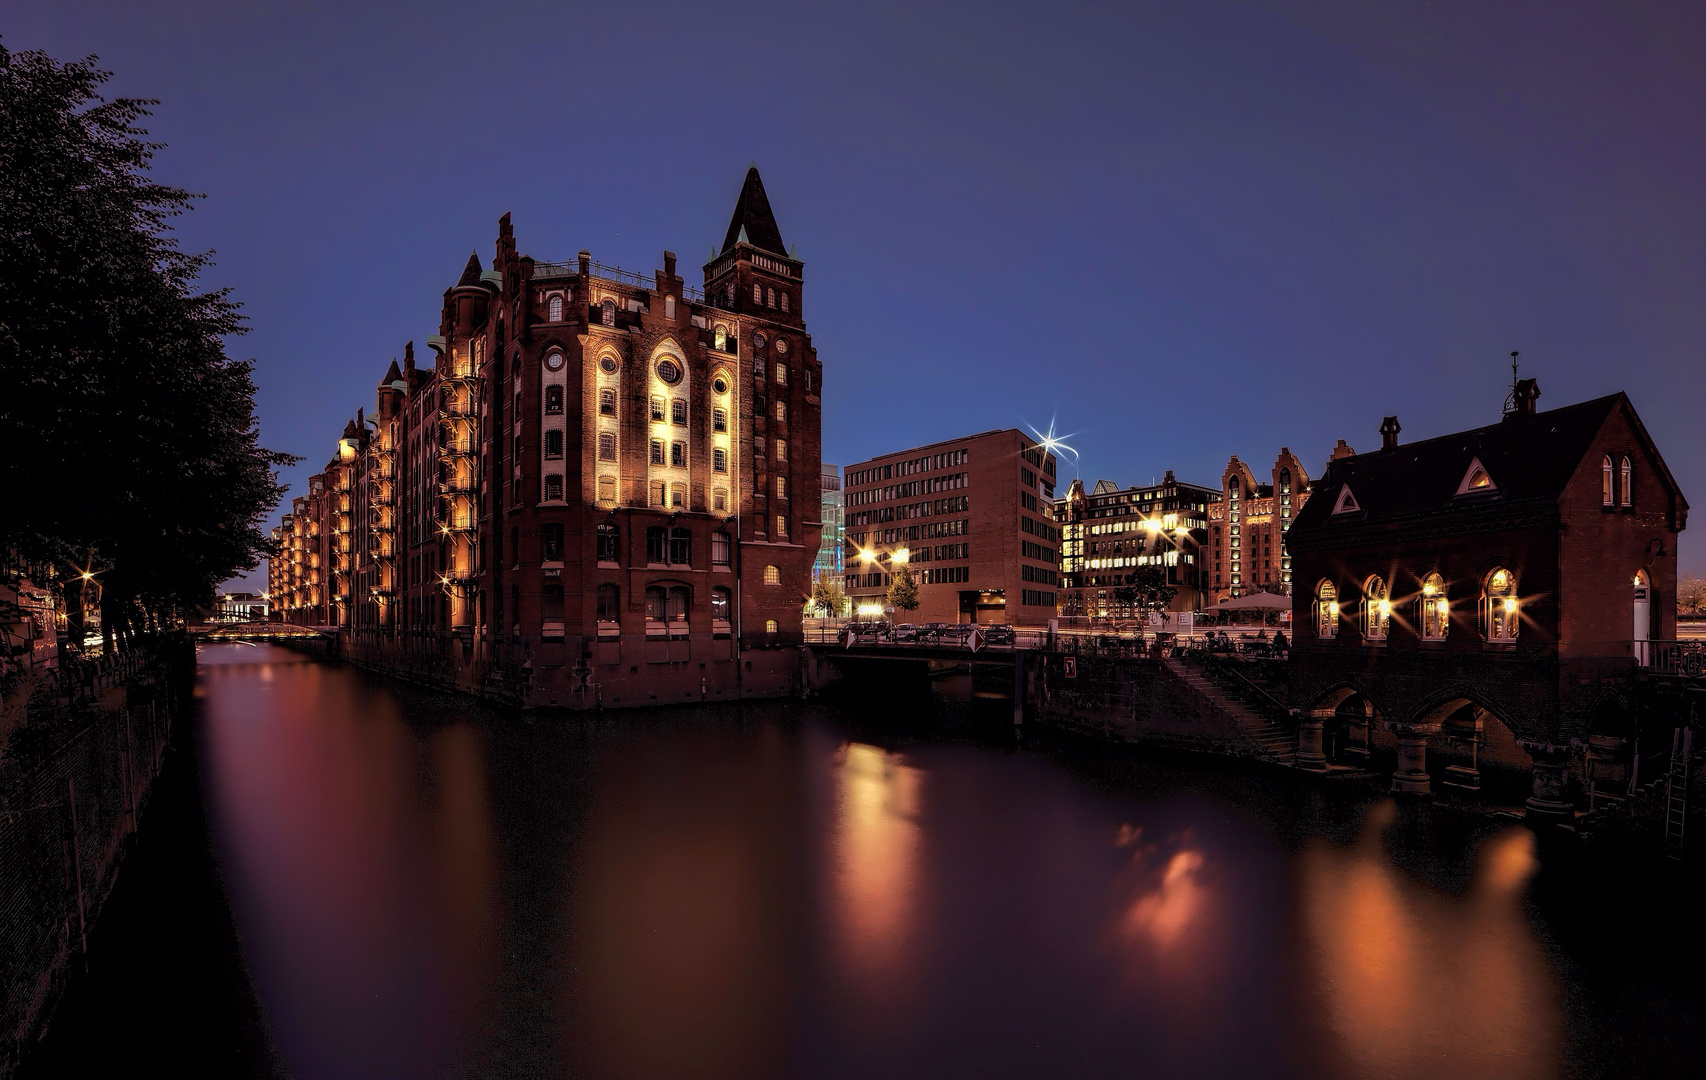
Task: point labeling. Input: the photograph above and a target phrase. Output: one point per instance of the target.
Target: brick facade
(1247, 527)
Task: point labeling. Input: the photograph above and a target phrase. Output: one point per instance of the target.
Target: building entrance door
(1643, 619)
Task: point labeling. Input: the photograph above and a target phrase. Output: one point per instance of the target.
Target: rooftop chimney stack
(1527, 393)
(1389, 433)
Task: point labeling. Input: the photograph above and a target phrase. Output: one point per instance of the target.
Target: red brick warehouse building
(1499, 587)
(605, 488)
(972, 517)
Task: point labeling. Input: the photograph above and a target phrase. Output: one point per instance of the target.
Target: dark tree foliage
(129, 436)
(903, 591)
(1145, 589)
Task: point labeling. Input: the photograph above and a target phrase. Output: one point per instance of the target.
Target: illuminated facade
(603, 490)
(1498, 588)
(833, 515)
(1247, 528)
(972, 517)
(1111, 533)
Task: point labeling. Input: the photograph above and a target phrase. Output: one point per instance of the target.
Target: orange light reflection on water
(1416, 983)
(876, 869)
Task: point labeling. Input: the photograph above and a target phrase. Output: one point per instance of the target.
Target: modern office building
(832, 514)
(605, 490)
(971, 517)
(1111, 533)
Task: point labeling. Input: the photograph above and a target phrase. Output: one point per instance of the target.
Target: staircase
(1272, 741)
(1676, 795)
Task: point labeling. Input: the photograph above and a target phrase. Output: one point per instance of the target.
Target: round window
(553, 360)
(758, 341)
(608, 363)
(721, 383)
(781, 347)
(669, 371)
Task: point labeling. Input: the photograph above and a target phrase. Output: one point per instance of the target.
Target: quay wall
(80, 748)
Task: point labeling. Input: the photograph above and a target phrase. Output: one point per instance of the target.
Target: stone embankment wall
(79, 751)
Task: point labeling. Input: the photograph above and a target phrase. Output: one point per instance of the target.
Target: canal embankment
(81, 747)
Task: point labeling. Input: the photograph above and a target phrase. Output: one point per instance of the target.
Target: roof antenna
(1510, 402)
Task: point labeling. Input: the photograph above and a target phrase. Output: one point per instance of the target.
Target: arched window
(1326, 610)
(609, 310)
(720, 499)
(1606, 496)
(1376, 609)
(784, 300)
(1436, 609)
(769, 626)
(1501, 614)
(770, 297)
(721, 338)
(781, 409)
(554, 309)
(1643, 629)
(678, 496)
(669, 307)
(772, 575)
(607, 488)
(757, 293)
(1626, 483)
(606, 448)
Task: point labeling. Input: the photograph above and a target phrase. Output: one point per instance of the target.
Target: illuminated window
(721, 339)
(677, 411)
(1607, 496)
(609, 310)
(719, 460)
(657, 451)
(1501, 614)
(554, 309)
(781, 374)
(719, 420)
(772, 575)
(720, 605)
(781, 487)
(657, 410)
(1376, 609)
(769, 626)
(781, 450)
(1626, 480)
(606, 400)
(1436, 609)
(781, 407)
(1326, 611)
(606, 447)
(781, 525)
(678, 454)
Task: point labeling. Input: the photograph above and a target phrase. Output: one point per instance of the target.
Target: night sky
(1181, 231)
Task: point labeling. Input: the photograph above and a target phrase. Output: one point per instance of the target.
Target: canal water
(419, 888)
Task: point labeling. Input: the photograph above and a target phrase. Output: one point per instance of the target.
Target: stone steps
(1274, 742)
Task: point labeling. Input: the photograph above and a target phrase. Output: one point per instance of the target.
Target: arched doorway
(1643, 628)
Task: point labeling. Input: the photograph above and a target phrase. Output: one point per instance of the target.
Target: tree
(143, 462)
(903, 591)
(1691, 596)
(1145, 590)
(827, 597)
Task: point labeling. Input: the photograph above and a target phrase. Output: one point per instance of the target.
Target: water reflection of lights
(1419, 983)
(1165, 912)
(878, 852)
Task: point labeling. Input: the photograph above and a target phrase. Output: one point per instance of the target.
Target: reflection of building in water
(877, 835)
(1415, 983)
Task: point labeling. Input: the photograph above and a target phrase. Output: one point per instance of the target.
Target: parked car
(904, 632)
(931, 632)
(998, 635)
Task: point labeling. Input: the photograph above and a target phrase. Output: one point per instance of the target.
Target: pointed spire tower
(753, 272)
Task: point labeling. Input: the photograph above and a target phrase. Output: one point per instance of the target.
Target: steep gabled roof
(1530, 457)
(471, 272)
(391, 375)
(753, 223)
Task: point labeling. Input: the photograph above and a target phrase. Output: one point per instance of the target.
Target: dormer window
(1347, 503)
(1476, 480)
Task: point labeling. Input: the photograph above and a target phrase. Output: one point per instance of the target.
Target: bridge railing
(1686, 658)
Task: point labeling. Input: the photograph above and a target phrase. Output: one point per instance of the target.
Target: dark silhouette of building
(1498, 588)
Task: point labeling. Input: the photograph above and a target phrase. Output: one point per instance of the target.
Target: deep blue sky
(1184, 230)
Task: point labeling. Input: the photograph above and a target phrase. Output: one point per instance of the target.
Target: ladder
(1676, 799)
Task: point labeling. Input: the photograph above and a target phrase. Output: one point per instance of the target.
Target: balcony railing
(1682, 658)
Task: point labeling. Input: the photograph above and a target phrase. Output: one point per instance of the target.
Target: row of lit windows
(928, 463)
(1498, 608)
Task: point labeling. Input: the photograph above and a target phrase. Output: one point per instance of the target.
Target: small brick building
(1495, 587)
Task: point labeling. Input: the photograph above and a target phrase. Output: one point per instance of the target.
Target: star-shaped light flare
(1055, 444)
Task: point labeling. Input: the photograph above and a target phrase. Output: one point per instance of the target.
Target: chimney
(1389, 433)
(1526, 394)
(669, 264)
(409, 363)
